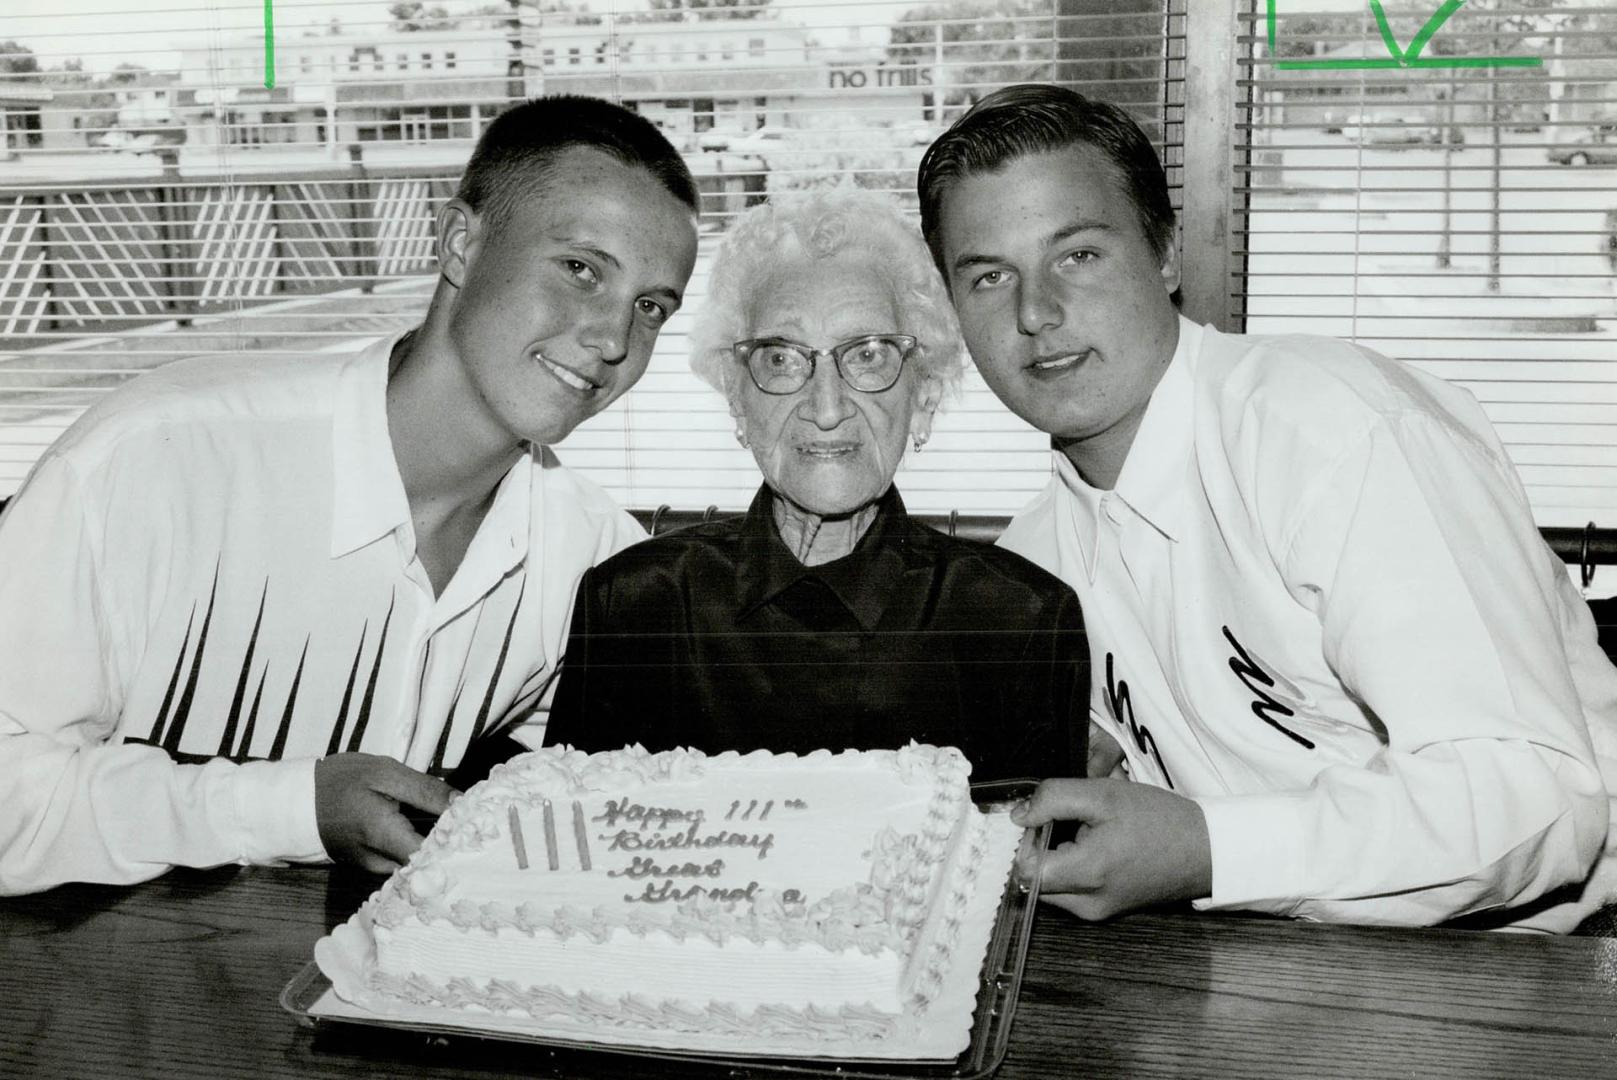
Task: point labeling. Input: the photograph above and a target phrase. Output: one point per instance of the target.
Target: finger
(1104, 752)
(417, 789)
(389, 833)
(1087, 906)
(1058, 800)
(1071, 868)
(375, 863)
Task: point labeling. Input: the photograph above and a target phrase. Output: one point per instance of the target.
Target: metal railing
(1587, 547)
(110, 255)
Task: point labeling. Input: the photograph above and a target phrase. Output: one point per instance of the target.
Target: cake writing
(746, 815)
(645, 817)
(629, 840)
(641, 866)
(632, 827)
(667, 890)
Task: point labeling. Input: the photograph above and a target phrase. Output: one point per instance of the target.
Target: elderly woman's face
(827, 447)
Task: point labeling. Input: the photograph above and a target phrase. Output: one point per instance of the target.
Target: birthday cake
(831, 903)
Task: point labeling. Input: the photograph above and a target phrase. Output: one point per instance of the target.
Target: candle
(516, 838)
(579, 837)
(550, 837)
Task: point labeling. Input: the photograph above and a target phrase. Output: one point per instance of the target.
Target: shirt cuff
(1259, 851)
(275, 808)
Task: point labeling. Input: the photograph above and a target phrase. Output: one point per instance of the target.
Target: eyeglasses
(870, 364)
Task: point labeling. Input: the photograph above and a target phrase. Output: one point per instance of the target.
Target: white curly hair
(842, 223)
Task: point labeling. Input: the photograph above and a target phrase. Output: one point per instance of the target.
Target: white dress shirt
(1318, 605)
(211, 581)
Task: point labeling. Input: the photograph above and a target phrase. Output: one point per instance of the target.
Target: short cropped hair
(840, 223)
(1037, 118)
(515, 154)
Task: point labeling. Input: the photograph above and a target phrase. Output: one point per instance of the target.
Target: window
(1329, 224)
(357, 252)
(22, 129)
(1443, 215)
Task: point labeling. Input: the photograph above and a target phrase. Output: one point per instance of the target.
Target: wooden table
(181, 978)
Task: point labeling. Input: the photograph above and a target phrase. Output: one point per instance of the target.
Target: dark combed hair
(1037, 118)
(516, 151)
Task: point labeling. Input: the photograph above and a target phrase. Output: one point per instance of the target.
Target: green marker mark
(269, 42)
(1401, 57)
(1422, 36)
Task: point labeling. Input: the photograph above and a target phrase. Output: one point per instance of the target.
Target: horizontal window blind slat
(187, 210)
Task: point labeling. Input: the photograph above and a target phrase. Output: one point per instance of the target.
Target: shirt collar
(502, 540)
(863, 580)
(368, 500)
(1152, 482)
(1084, 510)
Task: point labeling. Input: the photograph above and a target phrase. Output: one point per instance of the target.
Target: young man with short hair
(249, 607)
(1348, 678)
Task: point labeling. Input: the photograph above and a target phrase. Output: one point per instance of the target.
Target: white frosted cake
(831, 903)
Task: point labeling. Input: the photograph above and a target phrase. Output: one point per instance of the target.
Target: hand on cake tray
(361, 802)
(1137, 845)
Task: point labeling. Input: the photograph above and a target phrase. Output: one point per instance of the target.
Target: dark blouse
(715, 637)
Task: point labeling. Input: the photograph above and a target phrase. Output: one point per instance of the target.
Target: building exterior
(689, 77)
(338, 89)
(21, 122)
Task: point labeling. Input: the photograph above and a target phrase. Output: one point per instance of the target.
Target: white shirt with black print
(1318, 605)
(211, 581)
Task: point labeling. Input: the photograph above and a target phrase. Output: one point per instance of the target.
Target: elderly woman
(826, 617)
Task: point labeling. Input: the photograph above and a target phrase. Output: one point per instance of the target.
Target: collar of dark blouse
(862, 580)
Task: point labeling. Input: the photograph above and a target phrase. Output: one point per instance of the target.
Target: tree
(664, 10)
(17, 60)
(124, 75)
(492, 16)
(413, 15)
(975, 45)
(580, 15)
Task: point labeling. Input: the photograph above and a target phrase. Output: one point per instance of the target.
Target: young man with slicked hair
(1344, 675)
(251, 609)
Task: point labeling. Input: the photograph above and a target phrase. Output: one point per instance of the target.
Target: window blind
(179, 182)
(1458, 211)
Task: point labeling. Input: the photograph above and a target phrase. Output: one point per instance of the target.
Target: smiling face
(557, 308)
(828, 448)
(1064, 305)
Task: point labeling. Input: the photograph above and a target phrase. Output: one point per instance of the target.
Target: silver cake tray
(1000, 982)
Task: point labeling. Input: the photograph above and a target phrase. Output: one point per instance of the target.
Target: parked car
(1596, 146)
(923, 134)
(1407, 129)
(714, 141)
(762, 140)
